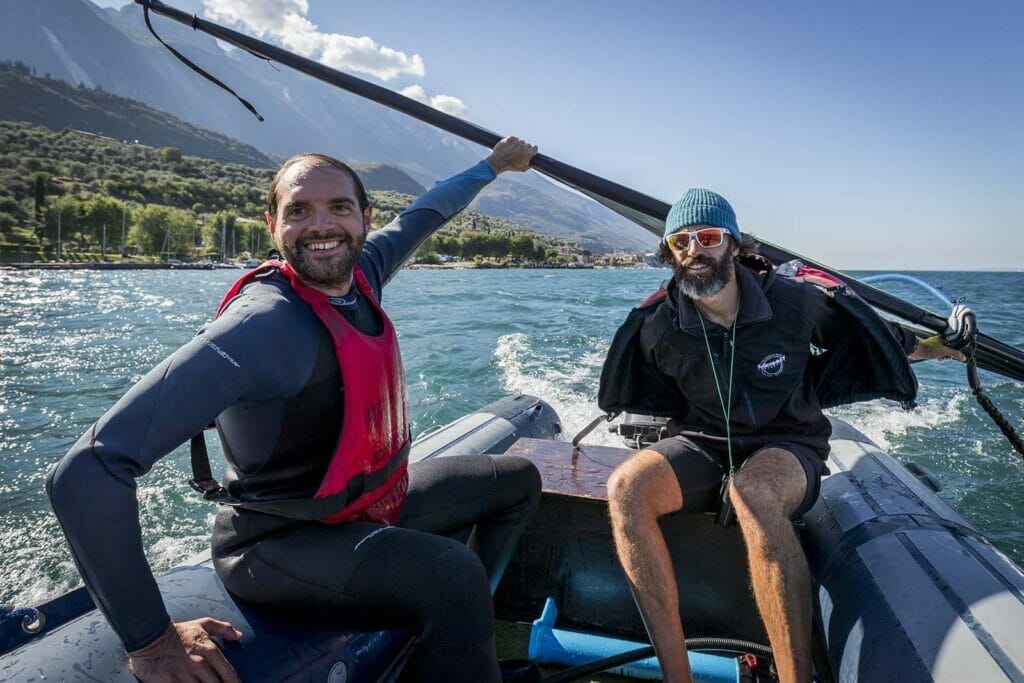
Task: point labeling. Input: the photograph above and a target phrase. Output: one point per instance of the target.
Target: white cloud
(285, 22)
(446, 103)
(450, 105)
(416, 92)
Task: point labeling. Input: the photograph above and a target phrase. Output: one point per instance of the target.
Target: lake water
(71, 342)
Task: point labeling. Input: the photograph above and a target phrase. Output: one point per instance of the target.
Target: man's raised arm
(388, 249)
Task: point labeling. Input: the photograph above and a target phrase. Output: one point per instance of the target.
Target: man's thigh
(697, 471)
(791, 471)
(375, 574)
(450, 494)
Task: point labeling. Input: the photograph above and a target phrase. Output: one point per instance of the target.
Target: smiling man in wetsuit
(302, 372)
(742, 360)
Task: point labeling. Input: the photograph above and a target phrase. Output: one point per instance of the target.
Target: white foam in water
(882, 422)
(170, 539)
(528, 370)
(170, 551)
(30, 573)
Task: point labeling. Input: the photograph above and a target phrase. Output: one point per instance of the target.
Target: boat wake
(564, 371)
(888, 425)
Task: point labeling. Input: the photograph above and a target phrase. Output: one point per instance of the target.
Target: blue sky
(866, 135)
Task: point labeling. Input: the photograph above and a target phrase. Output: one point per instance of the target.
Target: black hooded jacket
(798, 349)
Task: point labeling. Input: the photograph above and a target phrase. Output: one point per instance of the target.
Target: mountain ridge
(74, 40)
(57, 104)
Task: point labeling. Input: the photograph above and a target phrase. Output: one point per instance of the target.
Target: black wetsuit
(266, 370)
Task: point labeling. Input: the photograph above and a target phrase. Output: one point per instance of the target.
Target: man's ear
(367, 219)
(270, 224)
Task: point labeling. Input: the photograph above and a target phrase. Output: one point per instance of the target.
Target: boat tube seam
(993, 570)
(1001, 658)
(873, 503)
(863, 490)
(869, 530)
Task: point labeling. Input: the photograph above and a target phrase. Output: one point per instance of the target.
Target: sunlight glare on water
(72, 342)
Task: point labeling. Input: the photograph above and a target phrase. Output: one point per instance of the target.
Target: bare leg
(639, 491)
(765, 491)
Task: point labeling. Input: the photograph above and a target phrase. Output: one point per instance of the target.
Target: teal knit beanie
(702, 207)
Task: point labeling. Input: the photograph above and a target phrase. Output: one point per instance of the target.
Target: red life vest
(367, 477)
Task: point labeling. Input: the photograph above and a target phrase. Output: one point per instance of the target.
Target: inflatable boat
(906, 589)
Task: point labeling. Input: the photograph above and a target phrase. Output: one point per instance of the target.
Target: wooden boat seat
(587, 477)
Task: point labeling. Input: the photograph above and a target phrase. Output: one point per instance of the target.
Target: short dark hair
(318, 160)
(748, 247)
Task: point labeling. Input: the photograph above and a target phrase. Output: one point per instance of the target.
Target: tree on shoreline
(39, 181)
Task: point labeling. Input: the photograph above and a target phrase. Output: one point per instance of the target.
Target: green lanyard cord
(726, 406)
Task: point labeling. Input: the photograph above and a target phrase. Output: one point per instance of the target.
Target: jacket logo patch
(771, 366)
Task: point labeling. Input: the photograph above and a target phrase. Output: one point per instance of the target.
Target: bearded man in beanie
(742, 360)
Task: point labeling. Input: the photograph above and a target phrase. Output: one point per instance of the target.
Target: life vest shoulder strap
(655, 298)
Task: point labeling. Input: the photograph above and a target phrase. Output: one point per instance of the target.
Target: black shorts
(700, 472)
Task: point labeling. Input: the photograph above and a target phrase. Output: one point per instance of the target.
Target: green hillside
(178, 206)
(56, 105)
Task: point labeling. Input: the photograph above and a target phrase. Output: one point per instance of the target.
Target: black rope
(190, 64)
(596, 667)
(986, 403)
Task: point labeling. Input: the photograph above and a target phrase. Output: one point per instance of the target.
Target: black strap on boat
(986, 403)
(202, 476)
(32, 620)
(192, 65)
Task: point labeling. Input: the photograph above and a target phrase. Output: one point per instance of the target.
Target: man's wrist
(152, 644)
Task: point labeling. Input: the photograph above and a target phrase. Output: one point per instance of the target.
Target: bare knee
(763, 516)
(769, 487)
(642, 489)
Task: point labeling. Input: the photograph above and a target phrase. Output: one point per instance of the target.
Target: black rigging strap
(202, 476)
(192, 65)
(986, 403)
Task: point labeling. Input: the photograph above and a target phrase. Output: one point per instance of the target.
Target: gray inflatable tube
(908, 589)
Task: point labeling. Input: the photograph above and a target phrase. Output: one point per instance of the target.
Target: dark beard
(707, 284)
(334, 273)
